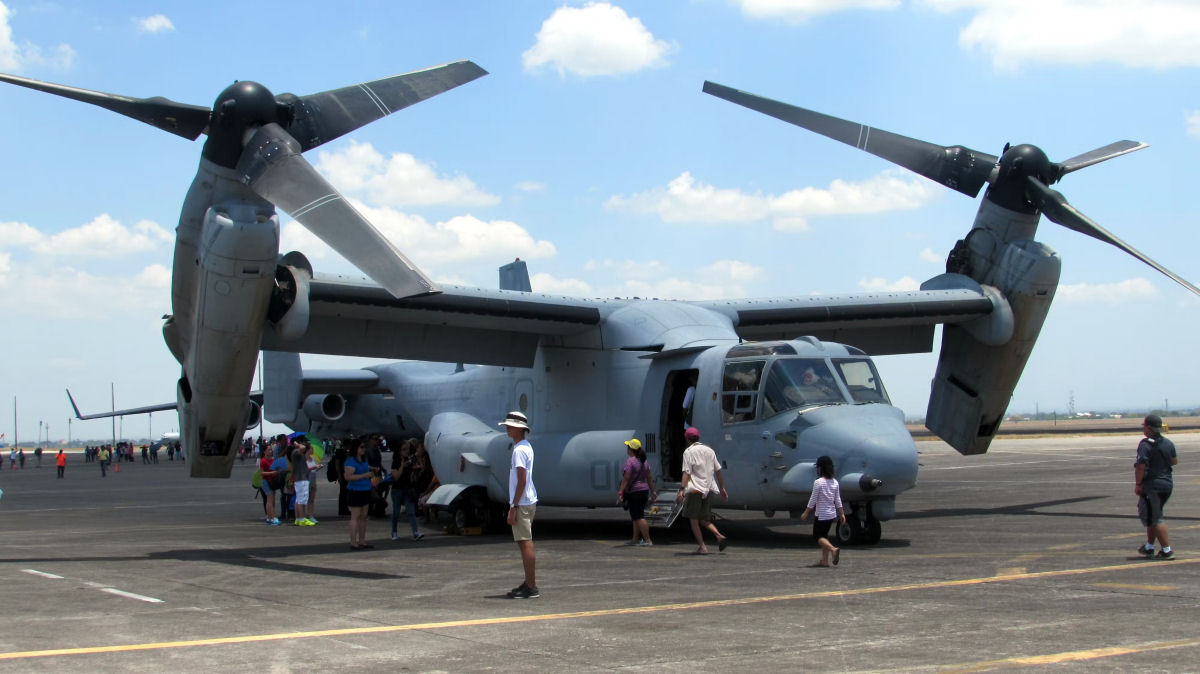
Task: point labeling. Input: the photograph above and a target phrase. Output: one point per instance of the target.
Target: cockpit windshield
(793, 383)
(862, 380)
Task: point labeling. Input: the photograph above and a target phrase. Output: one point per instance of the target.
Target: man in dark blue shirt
(1153, 484)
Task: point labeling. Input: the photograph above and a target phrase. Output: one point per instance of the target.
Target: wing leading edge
(502, 327)
(460, 324)
(878, 323)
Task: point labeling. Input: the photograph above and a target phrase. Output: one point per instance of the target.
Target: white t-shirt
(701, 465)
(522, 457)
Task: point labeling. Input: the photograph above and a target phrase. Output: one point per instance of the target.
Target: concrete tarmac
(1019, 559)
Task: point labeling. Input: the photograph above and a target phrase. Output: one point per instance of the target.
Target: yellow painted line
(545, 617)
(1073, 656)
(1130, 586)
(1065, 546)
(1142, 534)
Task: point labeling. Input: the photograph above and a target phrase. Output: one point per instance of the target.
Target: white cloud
(596, 39)
(15, 57)
(627, 269)
(545, 283)
(1107, 293)
(1193, 124)
(154, 24)
(682, 289)
(718, 280)
(1132, 33)
(104, 237)
(686, 200)
(18, 235)
(398, 180)
(733, 271)
(531, 186)
(460, 239)
(928, 255)
(878, 284)
(65, 292)
(799, 11)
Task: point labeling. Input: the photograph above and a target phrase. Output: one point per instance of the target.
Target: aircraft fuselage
(768, 409)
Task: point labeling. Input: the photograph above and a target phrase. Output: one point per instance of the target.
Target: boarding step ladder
(665, 509)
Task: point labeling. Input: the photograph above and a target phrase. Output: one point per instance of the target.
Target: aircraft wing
(461, 324)
(256, 396)
(878, 323)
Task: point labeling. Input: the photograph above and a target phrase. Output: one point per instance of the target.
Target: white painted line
(130, 595)
(42, 574)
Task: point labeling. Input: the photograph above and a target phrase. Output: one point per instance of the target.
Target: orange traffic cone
(118, 466)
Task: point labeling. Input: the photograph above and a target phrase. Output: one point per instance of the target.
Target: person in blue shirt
(359, 475)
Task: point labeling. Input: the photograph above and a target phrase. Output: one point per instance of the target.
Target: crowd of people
(290, 468)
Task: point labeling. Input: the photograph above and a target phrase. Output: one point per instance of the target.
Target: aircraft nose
(868, 443)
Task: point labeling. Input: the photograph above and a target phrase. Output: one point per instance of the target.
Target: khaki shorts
(523, 526)
(696, 507)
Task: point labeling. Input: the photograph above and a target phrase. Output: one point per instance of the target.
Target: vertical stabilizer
(515, 276)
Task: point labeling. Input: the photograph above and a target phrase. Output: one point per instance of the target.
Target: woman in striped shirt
(826, 500)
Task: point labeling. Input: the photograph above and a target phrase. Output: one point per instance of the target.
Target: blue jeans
(402, 496)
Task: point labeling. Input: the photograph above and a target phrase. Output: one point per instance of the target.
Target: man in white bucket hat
(522, 501)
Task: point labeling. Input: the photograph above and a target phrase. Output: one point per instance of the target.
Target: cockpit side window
(862, 380)
(795, 383)
(739, 395)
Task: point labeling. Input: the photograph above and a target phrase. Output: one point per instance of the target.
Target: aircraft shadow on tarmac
(254, 557)
(759, 533)
(1029, 509)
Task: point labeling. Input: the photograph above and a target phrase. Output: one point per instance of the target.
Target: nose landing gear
(861, 527)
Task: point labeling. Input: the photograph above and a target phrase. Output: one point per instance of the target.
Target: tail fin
(515, 276)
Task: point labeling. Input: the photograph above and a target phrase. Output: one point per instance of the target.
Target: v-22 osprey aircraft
(776, 382)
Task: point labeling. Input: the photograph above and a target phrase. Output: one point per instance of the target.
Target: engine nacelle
(253, 415)
(324, 407)
(289, 310)
(975, 379)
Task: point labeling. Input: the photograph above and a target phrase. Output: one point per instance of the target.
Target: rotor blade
(180, 119)
(273, 167)
(1055, 207)
(320, 118)
(1100, 154)
(956, 167)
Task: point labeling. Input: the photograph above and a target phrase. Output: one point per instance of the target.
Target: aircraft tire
(873, 532)
(850, 532)
(460, 518)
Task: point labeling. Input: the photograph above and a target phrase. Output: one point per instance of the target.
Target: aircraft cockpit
(762, 380)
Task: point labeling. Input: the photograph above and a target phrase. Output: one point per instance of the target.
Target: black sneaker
(515, 590)
(524, 592)
(1143, 550)
(1162, 554)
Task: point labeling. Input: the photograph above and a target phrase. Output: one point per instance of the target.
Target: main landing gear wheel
(848, 533)
(873, 531)
(460, 518)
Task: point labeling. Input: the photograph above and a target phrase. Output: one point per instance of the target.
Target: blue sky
(590, 152)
